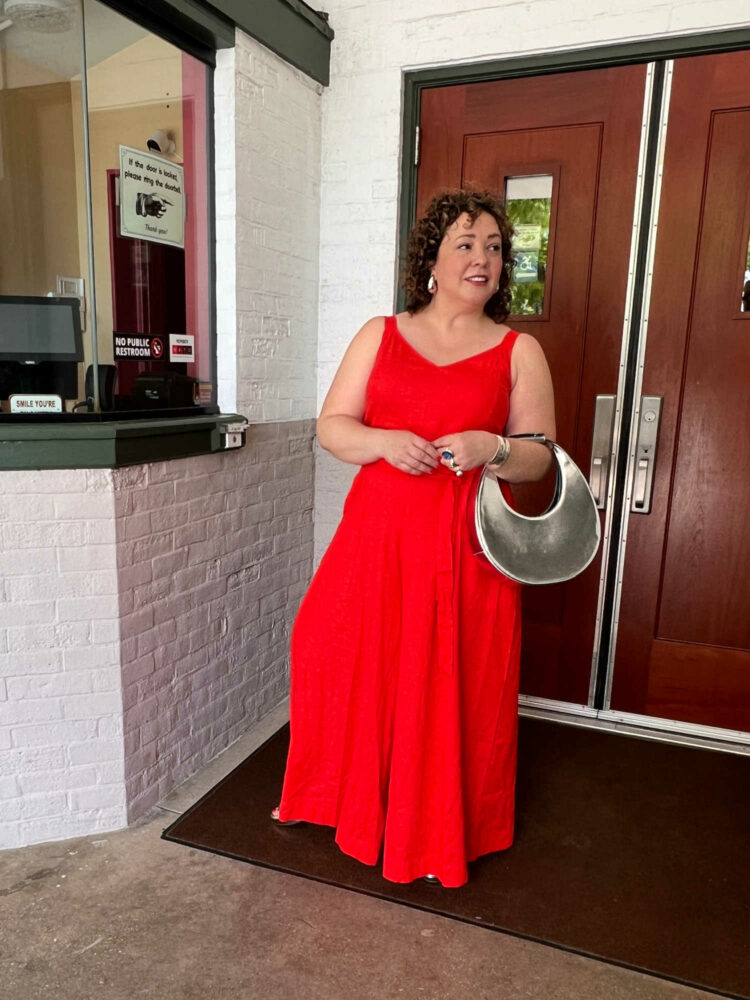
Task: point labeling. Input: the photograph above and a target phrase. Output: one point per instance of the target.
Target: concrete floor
(127, 915)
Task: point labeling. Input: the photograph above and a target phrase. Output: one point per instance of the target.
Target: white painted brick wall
(374, 44)
(214, 554)
(144, 624)
(268, 121)
(61, 754)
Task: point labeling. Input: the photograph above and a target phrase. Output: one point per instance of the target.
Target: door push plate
(645, 454)
(601, 448)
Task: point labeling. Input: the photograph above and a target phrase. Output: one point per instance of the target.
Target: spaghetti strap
(510, 338)
(390, 327)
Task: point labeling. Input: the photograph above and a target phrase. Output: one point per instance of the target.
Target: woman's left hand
(470, 448)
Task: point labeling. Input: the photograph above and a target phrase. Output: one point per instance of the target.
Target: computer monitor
(38, 328)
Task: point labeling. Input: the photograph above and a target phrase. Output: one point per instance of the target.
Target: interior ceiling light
(42, 15)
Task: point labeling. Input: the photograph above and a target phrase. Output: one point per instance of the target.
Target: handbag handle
(538, 436)
(543, 439)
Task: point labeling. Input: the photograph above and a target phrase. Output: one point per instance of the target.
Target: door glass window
(528, 201)
(745, 297)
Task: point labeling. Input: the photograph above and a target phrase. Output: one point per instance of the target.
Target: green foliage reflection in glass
(530, 216)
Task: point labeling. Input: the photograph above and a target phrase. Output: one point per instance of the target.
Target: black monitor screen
(40, 328)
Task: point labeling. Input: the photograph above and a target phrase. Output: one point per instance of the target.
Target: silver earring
(431, 284)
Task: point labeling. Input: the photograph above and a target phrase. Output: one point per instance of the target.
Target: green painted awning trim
(291, 29)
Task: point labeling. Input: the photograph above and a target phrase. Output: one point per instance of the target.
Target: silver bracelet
(502, 454)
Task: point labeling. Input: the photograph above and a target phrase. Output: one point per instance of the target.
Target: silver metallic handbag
(551, 548)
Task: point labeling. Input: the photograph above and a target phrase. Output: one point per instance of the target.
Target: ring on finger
(448, 455)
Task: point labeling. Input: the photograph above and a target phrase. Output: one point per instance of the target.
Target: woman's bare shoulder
(363, 347)
(526, 355)
(526, 344)
(347, 390)
(527, 349)
(370, 333)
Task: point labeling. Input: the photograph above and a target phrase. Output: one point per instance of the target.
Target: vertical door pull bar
(601, 448)
(645, 453)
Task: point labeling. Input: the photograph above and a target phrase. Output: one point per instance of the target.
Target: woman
(405, 650)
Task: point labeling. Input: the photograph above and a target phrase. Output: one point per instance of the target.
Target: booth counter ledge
(103, 444)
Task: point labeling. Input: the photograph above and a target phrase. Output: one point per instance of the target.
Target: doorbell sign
(181, 347)
(152, 198)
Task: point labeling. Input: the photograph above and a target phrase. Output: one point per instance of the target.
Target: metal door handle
(601, 447)
(645, 453)
(641, 479)
(597, 467)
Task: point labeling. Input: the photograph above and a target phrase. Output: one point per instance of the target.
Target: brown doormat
(627, 850)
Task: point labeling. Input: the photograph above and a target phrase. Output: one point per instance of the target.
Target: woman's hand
(470, 448)
(408, 452)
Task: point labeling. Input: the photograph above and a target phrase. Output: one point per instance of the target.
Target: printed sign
(204, 394)
(527, 268)
(152, 198)
(527, 237)
(129, 346)
(35, 404)
(181, 347)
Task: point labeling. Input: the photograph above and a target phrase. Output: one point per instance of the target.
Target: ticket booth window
(105, 304)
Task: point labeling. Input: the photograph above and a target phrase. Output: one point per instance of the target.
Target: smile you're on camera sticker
(152, 198)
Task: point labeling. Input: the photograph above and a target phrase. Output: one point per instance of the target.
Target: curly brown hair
(427, 235)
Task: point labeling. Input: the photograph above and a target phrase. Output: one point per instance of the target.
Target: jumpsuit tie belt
(447, 590)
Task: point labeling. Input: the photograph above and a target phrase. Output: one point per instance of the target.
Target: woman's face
(470, 260)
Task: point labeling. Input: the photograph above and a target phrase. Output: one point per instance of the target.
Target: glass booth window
(45, 332)
(103, 179)
(528, 201)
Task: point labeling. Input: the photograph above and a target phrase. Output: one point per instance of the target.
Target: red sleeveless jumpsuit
(405, 649)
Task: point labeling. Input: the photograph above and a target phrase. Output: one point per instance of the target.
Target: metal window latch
(232, 434)
(645, 454)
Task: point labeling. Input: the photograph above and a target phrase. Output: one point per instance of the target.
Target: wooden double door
(639, 276)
